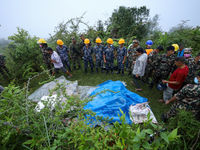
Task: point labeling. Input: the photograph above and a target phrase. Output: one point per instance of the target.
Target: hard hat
(98, 40)
(41, 41)
(109, 41)
(60, 42)
(86, 41)
(149, 42)
(175, 46)
(121, 41)
(161, 86)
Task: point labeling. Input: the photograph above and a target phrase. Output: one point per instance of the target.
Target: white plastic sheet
(139, 113)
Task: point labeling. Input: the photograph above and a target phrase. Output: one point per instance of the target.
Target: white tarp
(139, 113)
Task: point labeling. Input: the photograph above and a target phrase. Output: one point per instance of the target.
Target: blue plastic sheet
(108, 104)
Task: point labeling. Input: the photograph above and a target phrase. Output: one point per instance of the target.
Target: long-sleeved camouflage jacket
(74, 50)
(165, 63)
(46, 57)
(133, 55)
(152, 57)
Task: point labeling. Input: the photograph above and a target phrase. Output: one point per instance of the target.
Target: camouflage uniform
(163, 66)
(152, 57)
(121, 53)
(63, 55)
(193, 67)
(132, 57)
(109, 56)
(88, 56)
(98, 51)
(75, 54)
(188, 98)
(3, 68)
(47, 58)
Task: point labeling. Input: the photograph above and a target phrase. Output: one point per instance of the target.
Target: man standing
(176, 79)
(98, 55)
(87, 51)
(62, 50)
(3, 68)
(193, 64)
(188, 98)
(132, 55)
(150, 63)
(121, 56)
(56, 60)
(139, 67)
(108, 56)
(75, 53)
(46, 56)
(181, 50)
(164, 66)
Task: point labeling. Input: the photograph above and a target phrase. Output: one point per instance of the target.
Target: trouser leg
(167, 94)
(136, 81)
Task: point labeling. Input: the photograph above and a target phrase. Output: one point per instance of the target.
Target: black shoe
(85, 71)
(151, 86)
(107, 71)
(112, 71)
(142, 82)
(92, 71)
(74, 68)
(164, 118)
(102, 71)
(122, 73)
(79, 67)
(129, 73)
(96, 70)
(118, 72)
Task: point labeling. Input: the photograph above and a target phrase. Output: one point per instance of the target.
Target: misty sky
(40, 17)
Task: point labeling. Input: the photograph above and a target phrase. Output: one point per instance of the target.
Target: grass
(97, 78)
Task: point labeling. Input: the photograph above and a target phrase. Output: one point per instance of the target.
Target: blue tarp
(108, 104)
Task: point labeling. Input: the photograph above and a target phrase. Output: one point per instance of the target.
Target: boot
(142, 82)
(107, 71)
(74, 68)
(151, 86)
(79, 67)
(112, 71)
(118, 72)
(102, 71)
(122, 73)
(92, 71)
(69, 69)
(96, 70)
(85, 70)
(129, 73)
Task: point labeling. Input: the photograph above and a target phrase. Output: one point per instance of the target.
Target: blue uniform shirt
(87, 52)
(181, 53)
(62, 52)
(121, 53)
(109, 52)
(98, 51)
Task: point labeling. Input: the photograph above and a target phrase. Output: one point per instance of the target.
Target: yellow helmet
(60, 42)
(40, 41)
(109, 41)
(98, 40)
(121, 41)
(175, 46)
(86, 41)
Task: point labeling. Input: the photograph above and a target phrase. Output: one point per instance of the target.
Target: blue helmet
(149, 42)
(161, 86)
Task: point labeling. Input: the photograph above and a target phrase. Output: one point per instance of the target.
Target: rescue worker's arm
(104, 58)
(125, 55)
(94, 55)
(171, 100)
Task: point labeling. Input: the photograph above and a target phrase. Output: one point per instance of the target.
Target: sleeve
(173, 66)
(58, 59)
(104, 51)
(181, 94)
(134, 56)
(94, 50)
(125, 52)
(139, 66)
(67, 49)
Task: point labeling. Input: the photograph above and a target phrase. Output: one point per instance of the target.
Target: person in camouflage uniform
(193, 64)
(188, 98)
(121, 56)
(164, 66)
(88, 51)
(132, 55)
(62, 50)
(75, 53)
(46, 57)
(98, 55)
(108, 56)
(3, 68)
(152, 57)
